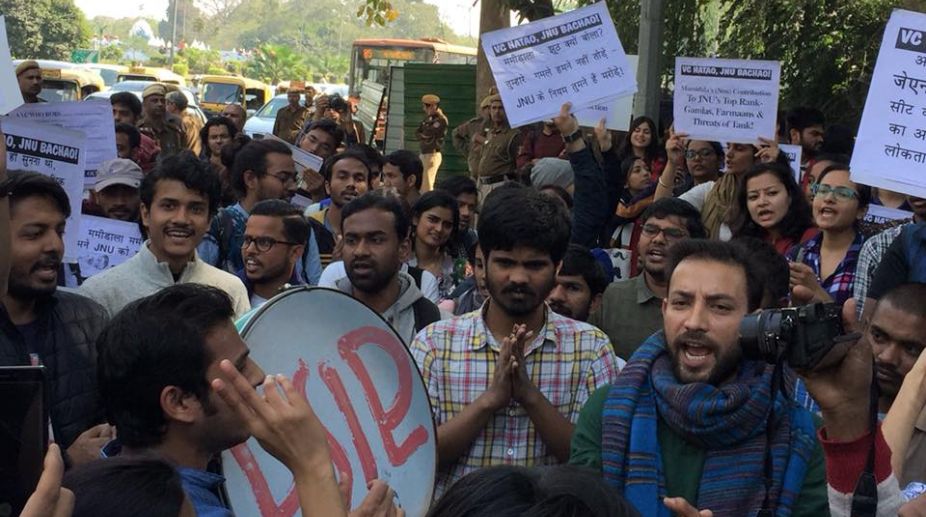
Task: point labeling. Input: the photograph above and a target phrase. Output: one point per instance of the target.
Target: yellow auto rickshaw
(69, 84)
(148, 73)
(218, 91)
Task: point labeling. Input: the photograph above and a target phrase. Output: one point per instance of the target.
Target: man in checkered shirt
(507, 382)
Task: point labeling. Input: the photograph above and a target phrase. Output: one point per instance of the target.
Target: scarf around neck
(729, 422)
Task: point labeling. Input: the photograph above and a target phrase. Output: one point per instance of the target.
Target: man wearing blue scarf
(690, 418)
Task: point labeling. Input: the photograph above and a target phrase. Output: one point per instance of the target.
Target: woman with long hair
(642, 141)
(635, 197)
(435, 220)
(823, 268)
(770, 205)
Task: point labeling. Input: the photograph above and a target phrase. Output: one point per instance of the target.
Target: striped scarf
(728, 421)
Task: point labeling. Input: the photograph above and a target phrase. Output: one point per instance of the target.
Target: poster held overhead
(617, 112)
(890, 150)
(575, 57)
(730, 100)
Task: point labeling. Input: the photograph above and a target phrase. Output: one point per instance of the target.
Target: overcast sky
(459, 14)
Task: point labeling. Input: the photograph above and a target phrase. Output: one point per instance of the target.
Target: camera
(805, 337)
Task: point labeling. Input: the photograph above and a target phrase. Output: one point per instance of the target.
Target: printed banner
(575, 57)
(726, 99)
(92, 118)
(878, 214)
(105, 243)
(10, 96)
(890, 150)
(55, 152)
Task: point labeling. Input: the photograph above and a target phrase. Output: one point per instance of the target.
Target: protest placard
(94, 119)
(10, 96)
(574, 56)
(726, 99)
(365, 388)
(617, 112)
(878, 214)
(890, 150)
(56, 152)
(793, 152)
(104, 243)
(301, 157)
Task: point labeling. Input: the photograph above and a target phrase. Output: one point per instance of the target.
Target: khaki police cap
(154, 89)
(28, 64)
(430, 99)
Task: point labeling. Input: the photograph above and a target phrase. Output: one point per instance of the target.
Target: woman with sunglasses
(823, 268)
(770, 205)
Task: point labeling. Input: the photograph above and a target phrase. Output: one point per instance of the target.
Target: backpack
(426, 313)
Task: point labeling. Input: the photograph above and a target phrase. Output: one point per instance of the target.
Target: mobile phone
(23, 434)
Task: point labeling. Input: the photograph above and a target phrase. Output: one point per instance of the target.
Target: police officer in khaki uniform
(290, 117)
(177, 104)
(470, 136)
(157, 125)
(431, 135)
(498, 161)
(29, 75)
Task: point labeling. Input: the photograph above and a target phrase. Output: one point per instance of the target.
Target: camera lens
(759, 335)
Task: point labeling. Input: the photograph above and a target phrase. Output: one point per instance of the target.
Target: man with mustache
(116, 189)
(506, 382)
(178, 199)
(631, 309)
(169, 135)
(580, 282)
(41, 325)
(347, 177)
(689, 417)
(375, 239)
(273, 243)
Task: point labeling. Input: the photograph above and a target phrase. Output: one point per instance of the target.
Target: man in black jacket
(41, 325)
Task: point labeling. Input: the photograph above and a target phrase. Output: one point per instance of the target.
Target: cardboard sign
(617, 113)
(105, 243)
(575, 57)
(365, 388)
(55, 152)
(92, 118)
(10, 96)
(890, 150)
(726, 99)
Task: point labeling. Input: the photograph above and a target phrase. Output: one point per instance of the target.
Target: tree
(274, 63)
(47, 29)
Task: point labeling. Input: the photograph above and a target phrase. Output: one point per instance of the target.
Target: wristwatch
(572, 137)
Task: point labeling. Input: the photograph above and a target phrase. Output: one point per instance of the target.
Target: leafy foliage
(274, 63)
(47, 29)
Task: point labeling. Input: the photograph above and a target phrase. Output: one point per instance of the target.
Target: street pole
(649, 74)
(173, 36)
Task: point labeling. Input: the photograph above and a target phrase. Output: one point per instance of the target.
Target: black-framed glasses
(703, 153)
(651, 230)
(263, 244)
(841, 193)
(284, 179)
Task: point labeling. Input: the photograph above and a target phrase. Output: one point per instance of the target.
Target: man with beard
(347, 177)
(263, 169)
(506, 383)
(580, 283)
(170, 137)
(40, 324)
(116, 189)
(274, 241)
(805, 128)
(178, 199)
(631, 309)
(689, 416)
(29, 76)
(375, 240)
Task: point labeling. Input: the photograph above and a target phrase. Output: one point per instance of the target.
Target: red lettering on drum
(387, 420)
(333, 380)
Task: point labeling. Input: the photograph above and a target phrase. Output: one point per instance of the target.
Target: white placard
(890, 150)
(878, 214)
(105, 243)
(617, 113)
(10, 96)
(730, 100)
(94, 119)
(575, 57)
(793, 152)
(303, 158)
(55, 152)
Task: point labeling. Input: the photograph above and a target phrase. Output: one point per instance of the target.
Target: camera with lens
(806, 337)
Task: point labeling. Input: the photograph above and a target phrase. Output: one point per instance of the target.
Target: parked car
(262, 121)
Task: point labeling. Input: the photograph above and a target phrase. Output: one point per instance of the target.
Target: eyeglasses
(285, 179)
(263, 244)
(703, 153)
(651, 230)
(841, 193)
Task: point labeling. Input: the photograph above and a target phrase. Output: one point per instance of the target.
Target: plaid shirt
(868, 260)
(840, 283)
(567, 361)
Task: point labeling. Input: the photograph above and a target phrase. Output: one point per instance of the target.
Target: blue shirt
(202, 488)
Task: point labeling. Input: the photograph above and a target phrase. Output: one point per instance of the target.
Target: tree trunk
(493, 15)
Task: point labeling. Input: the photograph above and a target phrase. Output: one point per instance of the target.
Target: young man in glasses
(274, 240)
(631, 310)
(263, 169)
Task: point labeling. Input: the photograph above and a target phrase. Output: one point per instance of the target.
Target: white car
(262, 121)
